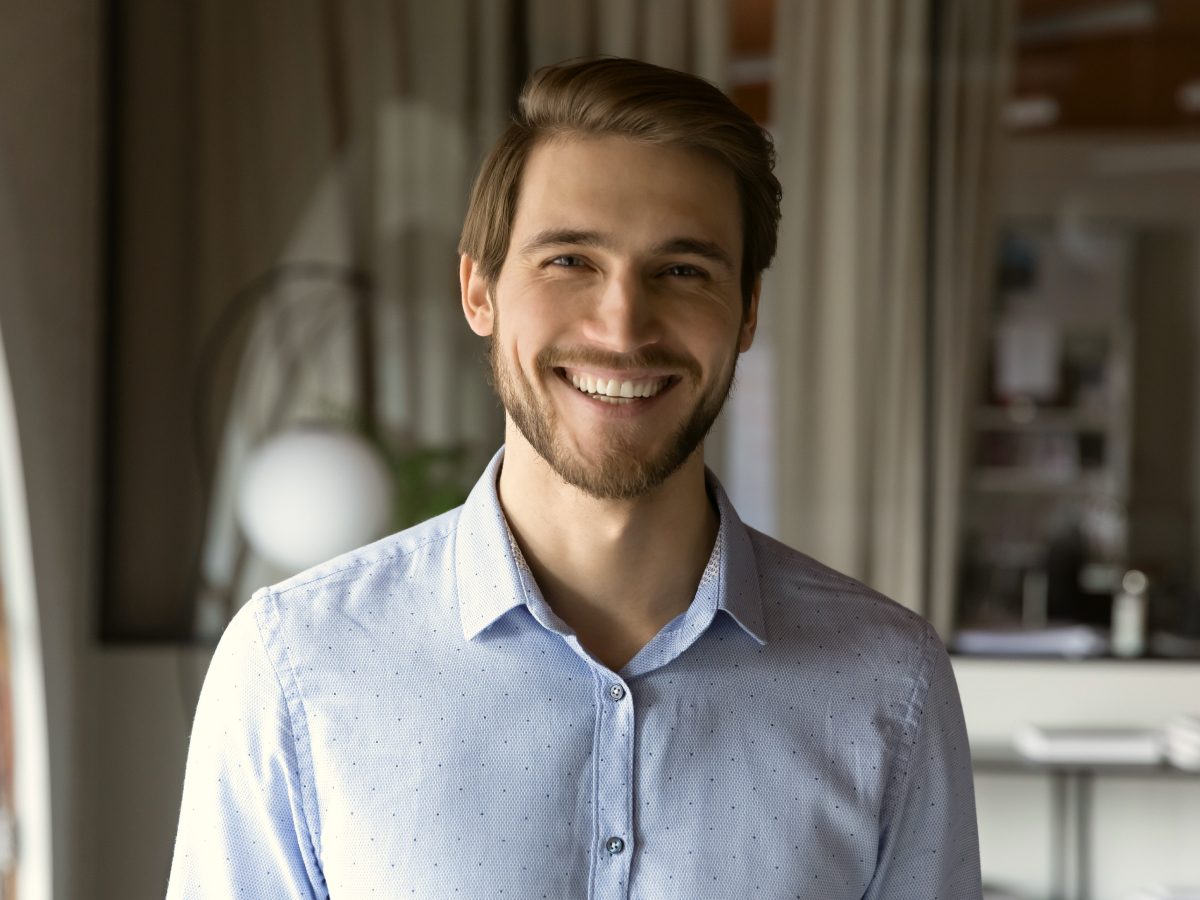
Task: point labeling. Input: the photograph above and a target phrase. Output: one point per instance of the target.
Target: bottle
(1129, 615)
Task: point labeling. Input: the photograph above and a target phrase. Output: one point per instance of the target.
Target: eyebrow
(557, 237)
(709, 250)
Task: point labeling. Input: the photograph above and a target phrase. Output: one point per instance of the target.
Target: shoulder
(361, 591)
(797, 590)
(835, 629)
(395, 554)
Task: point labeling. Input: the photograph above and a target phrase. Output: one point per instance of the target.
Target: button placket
(614, 790)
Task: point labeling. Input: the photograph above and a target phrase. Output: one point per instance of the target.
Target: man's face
(617, 318)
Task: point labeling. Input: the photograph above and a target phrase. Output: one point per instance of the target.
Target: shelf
(999, 758)
(1002, 418)
(1011, 554)
(1026, 481)
(1049, 445)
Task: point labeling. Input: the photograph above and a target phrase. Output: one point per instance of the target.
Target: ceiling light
(1031, 112)
(1085, 23)
(1188, 96)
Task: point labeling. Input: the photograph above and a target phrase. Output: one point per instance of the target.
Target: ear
(750, 319)
(476, 298)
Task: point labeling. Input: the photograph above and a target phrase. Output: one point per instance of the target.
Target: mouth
(619, 390)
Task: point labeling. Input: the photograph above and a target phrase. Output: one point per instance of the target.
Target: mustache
(649, 358)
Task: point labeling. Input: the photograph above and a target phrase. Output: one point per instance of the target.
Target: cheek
(711, 333)
(528, 326)
(521, 339)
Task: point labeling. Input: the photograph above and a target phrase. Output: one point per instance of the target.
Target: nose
(623, 319)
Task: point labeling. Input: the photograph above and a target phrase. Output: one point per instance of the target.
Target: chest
(526, 774)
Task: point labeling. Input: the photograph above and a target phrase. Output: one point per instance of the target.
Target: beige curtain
(690, 35)
(873, 348)
(975, 61)
(344, 134)
(349, 133)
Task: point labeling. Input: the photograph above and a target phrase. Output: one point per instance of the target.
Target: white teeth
(614, 391)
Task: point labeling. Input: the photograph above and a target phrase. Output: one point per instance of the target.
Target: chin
(625, 469)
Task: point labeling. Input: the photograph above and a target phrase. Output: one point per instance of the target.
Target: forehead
(637, 190)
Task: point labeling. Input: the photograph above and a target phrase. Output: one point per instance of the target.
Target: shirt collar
(494, 578)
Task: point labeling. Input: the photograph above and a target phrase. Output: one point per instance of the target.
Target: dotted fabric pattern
(413, 720)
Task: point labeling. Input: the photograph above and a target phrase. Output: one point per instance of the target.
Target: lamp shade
(311, 493)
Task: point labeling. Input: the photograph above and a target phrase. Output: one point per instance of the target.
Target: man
(591, 680)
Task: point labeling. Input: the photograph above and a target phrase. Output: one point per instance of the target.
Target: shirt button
(614, 845)
(616, 692)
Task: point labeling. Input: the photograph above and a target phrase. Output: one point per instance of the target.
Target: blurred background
(231, 346)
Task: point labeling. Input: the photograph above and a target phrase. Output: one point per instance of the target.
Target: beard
(625, 470)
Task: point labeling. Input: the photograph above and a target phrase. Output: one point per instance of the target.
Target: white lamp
(310, 493)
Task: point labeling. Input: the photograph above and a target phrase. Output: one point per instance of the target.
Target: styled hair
(610, 96)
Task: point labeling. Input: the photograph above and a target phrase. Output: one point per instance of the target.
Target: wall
(117, 719)
(47, 113)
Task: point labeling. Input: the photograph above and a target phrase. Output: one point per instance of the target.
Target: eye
(567, 261)
(682, 270)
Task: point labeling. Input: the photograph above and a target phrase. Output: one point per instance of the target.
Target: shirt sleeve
(243, 830)
(929, 842)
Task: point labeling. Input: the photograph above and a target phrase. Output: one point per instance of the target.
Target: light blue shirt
(413, 720)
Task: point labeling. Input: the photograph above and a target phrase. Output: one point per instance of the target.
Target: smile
(617, 391)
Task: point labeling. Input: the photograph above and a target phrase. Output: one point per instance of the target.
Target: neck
(616, 571)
